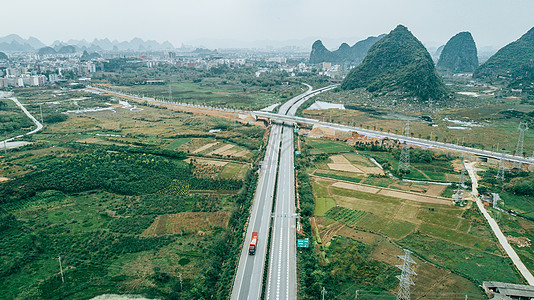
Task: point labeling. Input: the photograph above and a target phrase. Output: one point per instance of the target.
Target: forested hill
(398, 63)
(459, 54)
(511, 60)
(344, 54)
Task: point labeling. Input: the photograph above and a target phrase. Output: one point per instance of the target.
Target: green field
(329, 147)
(474, 264)
(93, 183)
(344, 215)
(213, 92)
(177, 143)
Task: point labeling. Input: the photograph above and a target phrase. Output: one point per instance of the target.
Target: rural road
(37, 123)
(495, 227)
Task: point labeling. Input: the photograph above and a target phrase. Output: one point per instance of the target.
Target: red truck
(253, 243)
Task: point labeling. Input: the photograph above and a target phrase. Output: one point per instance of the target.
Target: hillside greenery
(398, 63)
(511, 60)
(459, 54)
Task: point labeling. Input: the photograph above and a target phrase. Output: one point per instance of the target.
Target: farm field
(114, 193)
(385, 215)
(214, 92)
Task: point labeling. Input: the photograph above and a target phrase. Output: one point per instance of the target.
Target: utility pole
(323, 292)
(405, 282)
(41, 110)
(61, 268)
(180, 278)
(356, 296)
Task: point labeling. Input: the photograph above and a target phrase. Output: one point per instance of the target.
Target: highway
(282, 266)
(409, 140)
(282, 271)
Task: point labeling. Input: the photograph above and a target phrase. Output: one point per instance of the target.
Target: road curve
(37, 123)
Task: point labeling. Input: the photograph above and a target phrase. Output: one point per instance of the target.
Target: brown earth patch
(3, 179)
(340, 163)
(519, 241)
(358, 235)
(241, 153)
(435, 189)
(221, 149)
(357, 187)
(181, 223)
(414, 197)
(205, 147)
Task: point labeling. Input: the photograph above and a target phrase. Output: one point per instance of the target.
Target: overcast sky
(492, 22)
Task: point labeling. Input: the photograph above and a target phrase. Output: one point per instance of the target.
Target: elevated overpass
(401, 138)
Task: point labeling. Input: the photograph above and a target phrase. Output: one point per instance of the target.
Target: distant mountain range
(14, 43)
(344, 54)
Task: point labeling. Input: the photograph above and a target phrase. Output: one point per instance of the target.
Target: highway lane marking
(272, 162)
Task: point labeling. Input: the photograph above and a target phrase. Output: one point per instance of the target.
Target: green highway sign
(305, 243)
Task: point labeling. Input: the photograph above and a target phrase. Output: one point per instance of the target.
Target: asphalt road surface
(249, 277)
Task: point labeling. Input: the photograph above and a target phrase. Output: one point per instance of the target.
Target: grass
(212, 91)
(178, 142)
(328, 146)
(234, 170)
(339, 177)
(344, 215)
(464, 239)
(472, 263)
(438, 218)
(323, 205)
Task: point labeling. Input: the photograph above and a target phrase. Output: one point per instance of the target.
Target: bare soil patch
(357, 235)
(241, 153)
(3, 179)
(357, 187)
(435, 189)
(205, 147)
(413, 197)
(221, 149)
(340, 163)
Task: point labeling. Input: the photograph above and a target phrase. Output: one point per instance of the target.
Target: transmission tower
(404, 163)
(523, 126)
(404, 278)
(500, 172)
(460, 191)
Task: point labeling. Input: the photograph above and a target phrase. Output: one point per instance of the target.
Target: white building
(53, 78)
